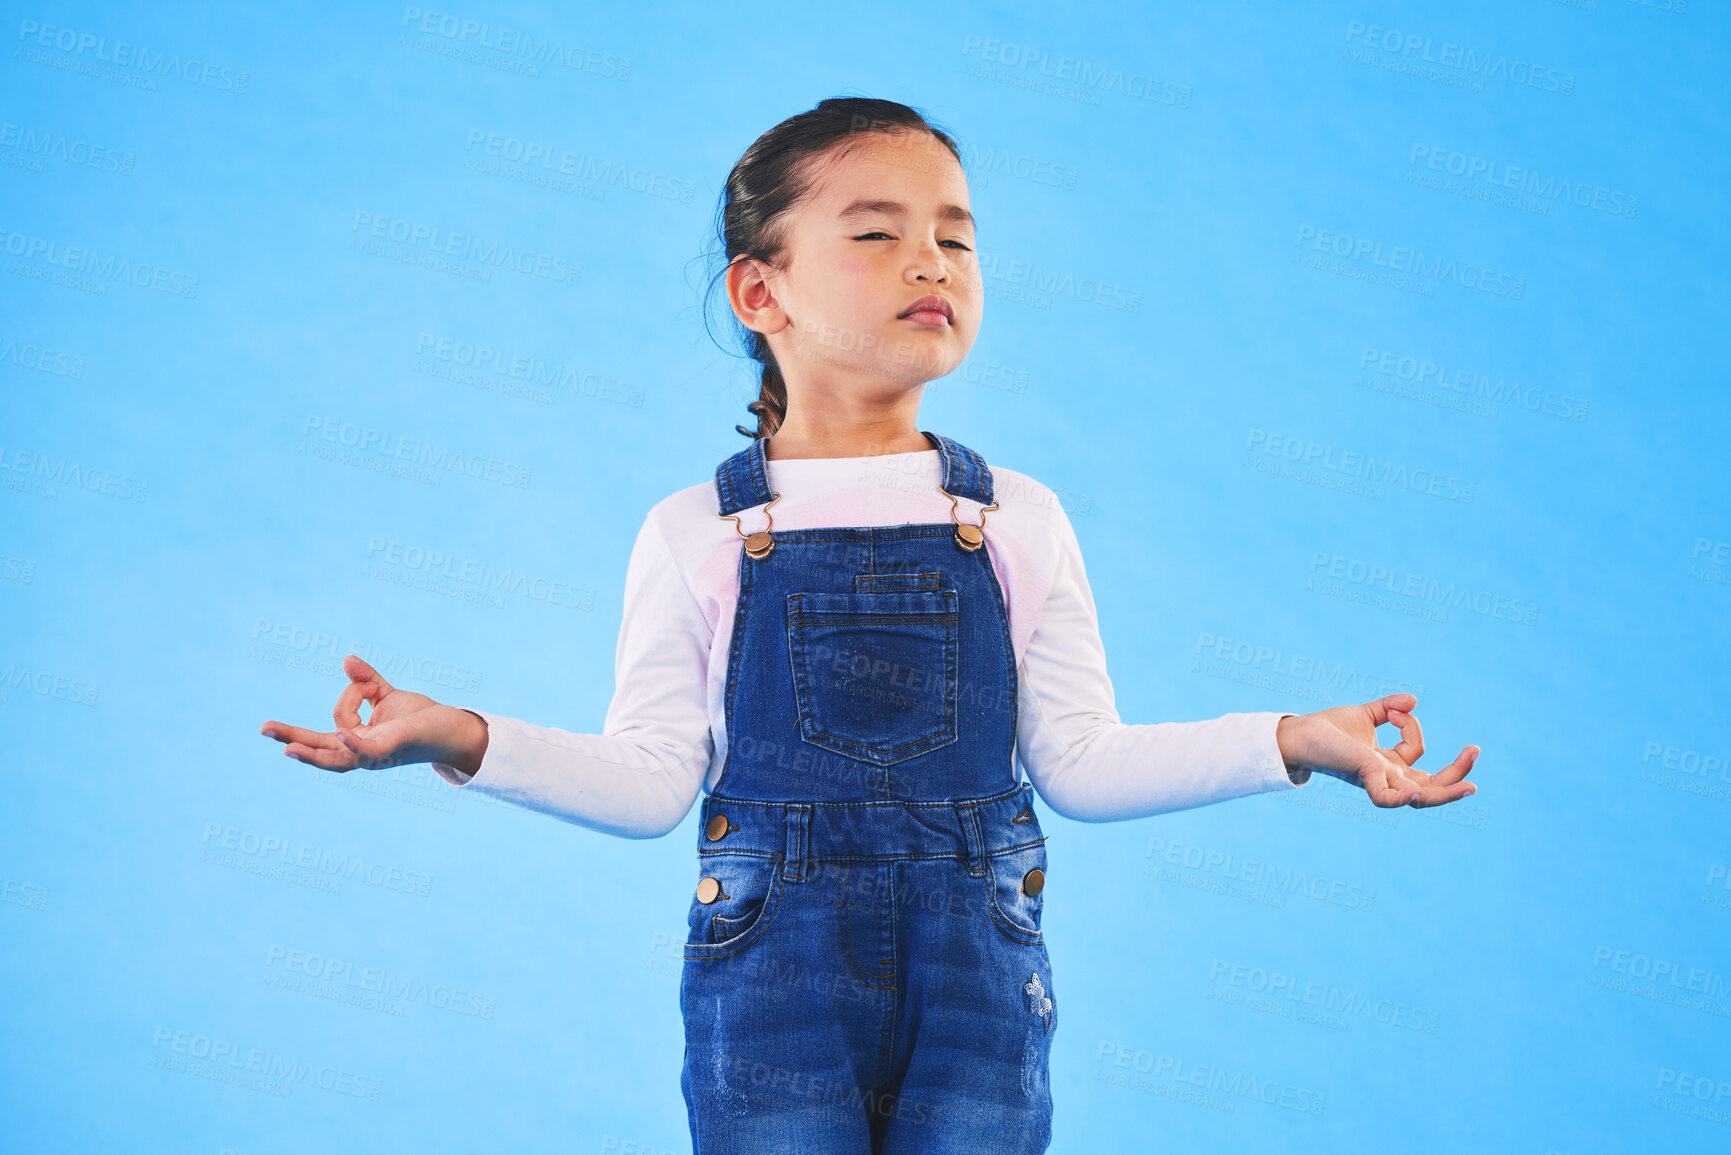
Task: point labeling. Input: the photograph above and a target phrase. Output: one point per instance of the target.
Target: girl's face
(885, 228)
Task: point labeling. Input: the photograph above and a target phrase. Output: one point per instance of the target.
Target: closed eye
(877, 233)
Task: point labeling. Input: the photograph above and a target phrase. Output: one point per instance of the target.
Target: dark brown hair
(769, 180)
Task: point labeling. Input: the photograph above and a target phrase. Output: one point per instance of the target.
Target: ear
(753, 298)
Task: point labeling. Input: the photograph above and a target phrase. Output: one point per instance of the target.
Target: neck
(801, 435)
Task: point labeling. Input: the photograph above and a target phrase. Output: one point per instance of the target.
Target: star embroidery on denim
(1038, 1003)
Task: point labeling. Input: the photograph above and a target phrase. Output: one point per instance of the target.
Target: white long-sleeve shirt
(665, 735)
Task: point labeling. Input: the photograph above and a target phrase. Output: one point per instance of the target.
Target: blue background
(1545, 967)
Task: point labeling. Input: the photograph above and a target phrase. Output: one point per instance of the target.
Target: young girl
(853, 640)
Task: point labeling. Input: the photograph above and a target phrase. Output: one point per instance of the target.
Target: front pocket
(750, 892)
(1014, 910)
(874, 672)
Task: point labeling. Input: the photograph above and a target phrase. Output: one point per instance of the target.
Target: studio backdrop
(1368, 346)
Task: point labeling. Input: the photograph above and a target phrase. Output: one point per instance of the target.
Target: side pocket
(1013, 909)
(749, 890)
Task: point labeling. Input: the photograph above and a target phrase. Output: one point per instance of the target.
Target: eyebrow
(861, 208)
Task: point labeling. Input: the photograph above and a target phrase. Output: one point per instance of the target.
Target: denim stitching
(718, 798)
(897, 582)
(735, 654)
(794, 825)
(760, 469)
(1015, 930)
(844, 936)
(771, 902)
(949, 619)
(1009, 645)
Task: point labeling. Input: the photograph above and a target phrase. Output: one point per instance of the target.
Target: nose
(928, 265)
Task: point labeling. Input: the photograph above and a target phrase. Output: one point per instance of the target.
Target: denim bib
(864, 969)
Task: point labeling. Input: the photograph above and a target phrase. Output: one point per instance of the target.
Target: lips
(929, 306)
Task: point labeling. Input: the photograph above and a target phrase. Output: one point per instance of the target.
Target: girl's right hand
(403, 727)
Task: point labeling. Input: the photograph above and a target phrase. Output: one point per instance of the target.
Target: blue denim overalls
(864, 970)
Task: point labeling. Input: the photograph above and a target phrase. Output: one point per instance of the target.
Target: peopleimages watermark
(1068, 77)
(1709, 560)
(1667, 974)
(17, 569)
(612, 1143)
(426, 245)
(1349, 471)
(384, 451)
(224, 1061)
(519, 374)
(1039, 281)
(1701, 1096)
(46, 684)
(1271, 667)
(1316, 1001)
(1374, 577)
(468, 579)
(36, 145)
(537, 162)
(1449, 63)
(41, 358)
(519, 51)
(1363, 259)
(1465, 390)
(39, 473)
(23, 894)
(1673, 7)
(1718, 877)
(1264, 882)
(1500, 178)
(1690, 771)
(133, 64)
(268, 854)
(1229, 1086)
(353, 984)
(86, 269)
(984, 163)
(293, 642)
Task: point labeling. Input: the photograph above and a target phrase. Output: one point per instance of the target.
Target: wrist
(472, 743)
(1286, 738)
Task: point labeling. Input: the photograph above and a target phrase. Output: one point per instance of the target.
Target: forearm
(1112, 771)
(630, 784)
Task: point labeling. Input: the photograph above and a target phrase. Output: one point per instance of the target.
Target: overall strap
(965, 472)
(742, 481)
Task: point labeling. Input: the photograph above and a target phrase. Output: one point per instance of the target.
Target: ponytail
(771, 404)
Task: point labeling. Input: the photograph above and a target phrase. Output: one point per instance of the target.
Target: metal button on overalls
(868, 972)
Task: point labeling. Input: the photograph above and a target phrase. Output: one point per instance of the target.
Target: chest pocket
(874, 671)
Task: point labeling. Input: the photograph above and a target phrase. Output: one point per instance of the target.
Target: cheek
(852, 266)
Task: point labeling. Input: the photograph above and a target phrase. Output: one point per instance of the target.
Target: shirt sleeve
(640, 775)
(1089, 765)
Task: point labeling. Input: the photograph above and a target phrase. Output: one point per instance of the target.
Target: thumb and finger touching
(354, 742)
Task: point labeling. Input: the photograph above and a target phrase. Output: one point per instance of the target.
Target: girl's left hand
(1341, 742)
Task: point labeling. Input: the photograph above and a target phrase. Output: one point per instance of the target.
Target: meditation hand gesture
(403, 727)
(1342, 743)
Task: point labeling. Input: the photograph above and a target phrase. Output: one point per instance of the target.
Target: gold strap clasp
(757, 545)
(969, 537)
